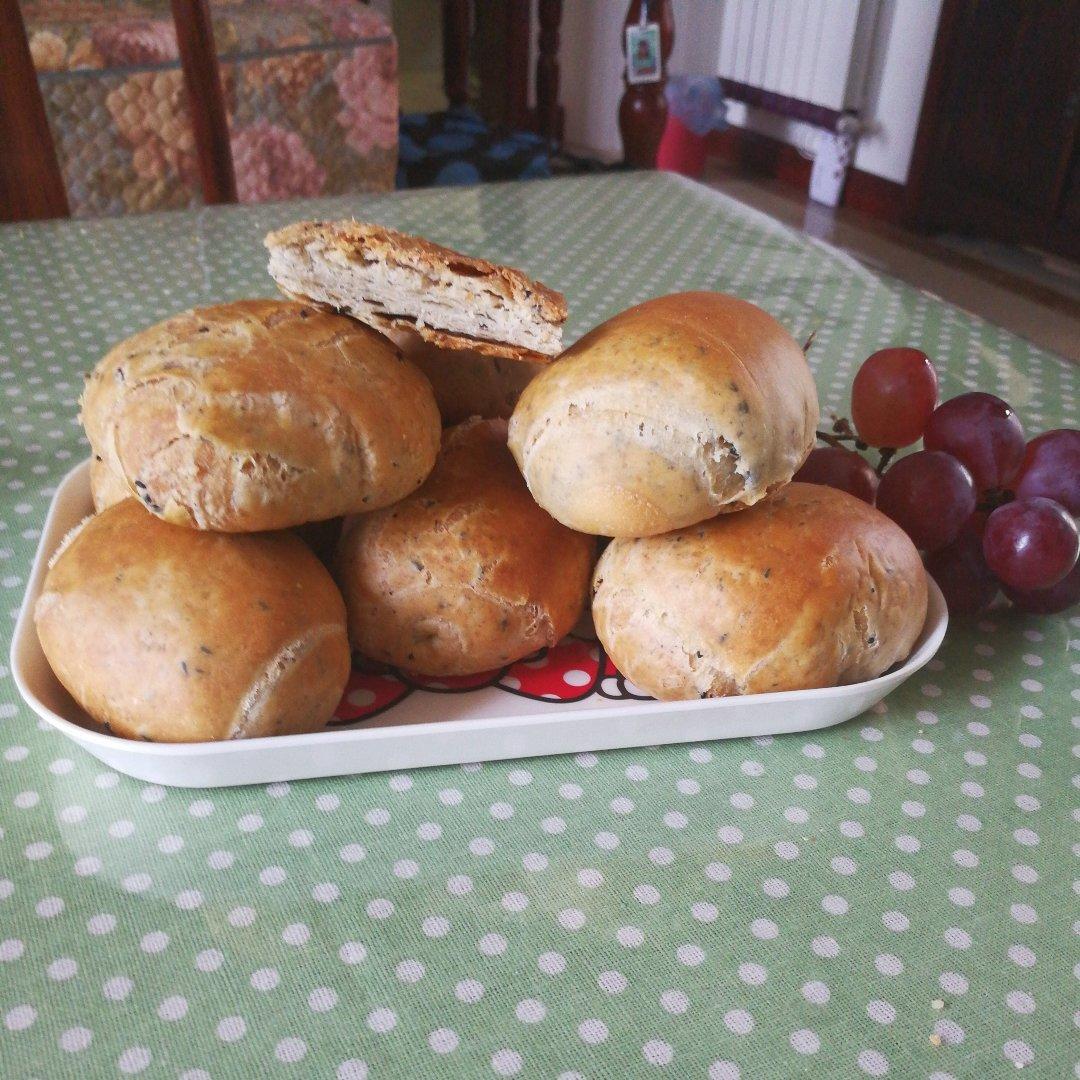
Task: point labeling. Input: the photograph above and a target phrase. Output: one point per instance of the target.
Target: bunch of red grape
(990, 511)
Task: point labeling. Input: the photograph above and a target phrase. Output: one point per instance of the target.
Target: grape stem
(887, 454)
(842, 432)
(809, 342)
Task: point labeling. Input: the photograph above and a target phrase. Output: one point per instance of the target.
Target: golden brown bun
(468, 573)
(174, 635)
(394, 281)
(259, 415)
(812, 587)
(466, 383)
(670, 413)
(106, 488)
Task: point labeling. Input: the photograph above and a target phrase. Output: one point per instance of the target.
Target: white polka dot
(607, 840)
(290, 1050)
(534, 862)
(326, 892)
(265, 979)
(154, 942)
(724, 1070)
(137, 883)
(75, 1040)
(469, 991)
(220, 860)
(729, 834)
(957, 938)
(173, 1008)
(241, 916)
(327, 803)
(380, 816)
(738, 1021)
(429, 831)
(804, 1041)
(382, 1020)
(704, 912)
(272, 876)
(1018, 1052)
(764, 929)
(551, 963)
(506, 1062)
(101, 924)
(896, 921)
(717, 871)
(690, 955)
(492, 944)
(352, 952)
(530, 1011)
(873, 1063)
(450, 797)
(353, 1069)
(834, 904)
(593, 1031)
(514, 901)
(20, 1018)
(435, 926)
(888, 964)
(443, 1041)
(657, 1052)
(134, 1059)
(295, 934)
(824, 946)
(881, 1012)
(816, 992)
(753, 974)
(410, 971)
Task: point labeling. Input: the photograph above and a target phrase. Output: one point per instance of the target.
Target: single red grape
(1051, 468)
(983, 433)
(835, 467)
(929, 495)
(892, 397)
(1048, 601)
(961, 572)
(1031, 543)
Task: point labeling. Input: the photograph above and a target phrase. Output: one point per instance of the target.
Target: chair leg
(31, 185)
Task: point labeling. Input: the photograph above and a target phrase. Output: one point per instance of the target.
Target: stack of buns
(217, 595)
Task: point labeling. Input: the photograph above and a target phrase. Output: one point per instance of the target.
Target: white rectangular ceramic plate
(431, 726)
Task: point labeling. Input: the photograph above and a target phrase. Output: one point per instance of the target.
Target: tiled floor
(1041, 315)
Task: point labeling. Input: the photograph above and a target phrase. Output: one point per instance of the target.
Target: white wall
(592, 65)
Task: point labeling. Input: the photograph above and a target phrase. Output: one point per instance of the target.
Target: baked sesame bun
(672, 412)
(176, 635)
(467, 383)
(810, 588)
(468, 573)
(106, 488)
(261, 414)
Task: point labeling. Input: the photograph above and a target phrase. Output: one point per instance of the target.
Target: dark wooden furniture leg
(456, 31)
(30, 182)
(548, 113)
(198, 57)
(643, 109)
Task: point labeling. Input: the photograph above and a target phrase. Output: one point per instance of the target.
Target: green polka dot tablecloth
(891, 897)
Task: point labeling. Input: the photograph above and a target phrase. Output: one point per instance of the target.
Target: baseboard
(762, 155)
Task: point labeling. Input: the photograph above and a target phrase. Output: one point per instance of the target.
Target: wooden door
(997, 141)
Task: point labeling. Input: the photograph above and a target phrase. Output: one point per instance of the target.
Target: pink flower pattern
(272, 162)
(367, 84)
(140, 41)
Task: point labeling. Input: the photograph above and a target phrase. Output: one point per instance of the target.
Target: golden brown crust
(362, 239)
(467, 384)
(261, 414)
(174, 635)
(394, 281)
(468, 573)
(106, 488)
(809, 588)
(674, 411)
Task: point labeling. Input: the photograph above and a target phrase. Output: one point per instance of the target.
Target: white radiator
(812, 51)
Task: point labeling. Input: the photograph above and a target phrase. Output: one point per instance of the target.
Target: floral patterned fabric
(310, 88)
